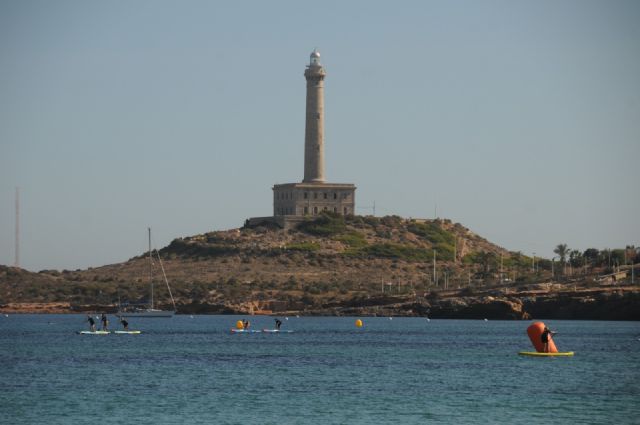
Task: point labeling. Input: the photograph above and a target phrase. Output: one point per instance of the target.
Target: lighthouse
(296, 202)
(314, 125)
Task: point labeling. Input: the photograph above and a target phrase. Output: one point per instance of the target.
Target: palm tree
(562, 250)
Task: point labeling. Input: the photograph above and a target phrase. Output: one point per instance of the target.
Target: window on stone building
(315, 210)
(335, 210)
(306, 209)
(305, 195)
(315, 196)
(346, 211)
(335, 195)
(325, 195)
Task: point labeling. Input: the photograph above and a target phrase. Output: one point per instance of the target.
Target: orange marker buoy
(535, 331)
(358, 323)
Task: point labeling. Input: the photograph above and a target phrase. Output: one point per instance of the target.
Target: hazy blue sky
(519, 119)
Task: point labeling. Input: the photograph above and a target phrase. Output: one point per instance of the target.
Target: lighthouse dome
(315, 57)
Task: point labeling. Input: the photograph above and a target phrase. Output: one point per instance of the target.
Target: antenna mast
(17, 262)
(150, 267)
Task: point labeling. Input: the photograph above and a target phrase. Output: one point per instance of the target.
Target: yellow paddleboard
(536, 354)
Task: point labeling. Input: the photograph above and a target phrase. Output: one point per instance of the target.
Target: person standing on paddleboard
(125, 324)
(278, 324)
(544, 337)
(92, 323)
(105, 322)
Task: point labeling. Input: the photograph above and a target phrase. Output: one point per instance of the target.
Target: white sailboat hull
(151, 313)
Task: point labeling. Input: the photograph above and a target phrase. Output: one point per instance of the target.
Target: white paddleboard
(277, 331)
(245, 331)
(127, 332)
(94, 332)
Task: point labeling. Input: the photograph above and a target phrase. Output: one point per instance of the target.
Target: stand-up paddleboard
(536, 354)
(127, 332)
(94, 332)
(277, 331)
(244, 331)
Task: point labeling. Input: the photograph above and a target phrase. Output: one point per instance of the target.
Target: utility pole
(17, 247)
(455, 250)
(435, 277)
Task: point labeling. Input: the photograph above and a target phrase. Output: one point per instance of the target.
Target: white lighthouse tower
(314, 128)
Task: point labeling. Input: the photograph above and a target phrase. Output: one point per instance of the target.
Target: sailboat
(150, 311)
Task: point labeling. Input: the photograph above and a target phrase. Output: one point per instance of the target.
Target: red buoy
(535, 332)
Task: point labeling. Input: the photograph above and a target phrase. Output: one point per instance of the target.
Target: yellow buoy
(358, 323)
(239, 324)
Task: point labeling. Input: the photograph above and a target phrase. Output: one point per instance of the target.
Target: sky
(518, 119)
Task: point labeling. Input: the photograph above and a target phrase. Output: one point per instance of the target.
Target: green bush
(432, 232)
(391, 220)
(444, 252)
(353, 239)
(371, 220)
(391, 250)
(327, 224)
(198, 249)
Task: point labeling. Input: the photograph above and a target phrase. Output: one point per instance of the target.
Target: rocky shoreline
(603, 303)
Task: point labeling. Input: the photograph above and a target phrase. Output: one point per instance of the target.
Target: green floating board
(536, 354)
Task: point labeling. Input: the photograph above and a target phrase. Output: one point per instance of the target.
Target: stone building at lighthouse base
(294, 202)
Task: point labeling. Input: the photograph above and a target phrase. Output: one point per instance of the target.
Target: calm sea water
(191, 370)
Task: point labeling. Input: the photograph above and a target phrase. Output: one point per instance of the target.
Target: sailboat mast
(150, 267)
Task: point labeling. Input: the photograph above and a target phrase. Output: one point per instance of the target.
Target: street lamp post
(533, 263)
(552, 262)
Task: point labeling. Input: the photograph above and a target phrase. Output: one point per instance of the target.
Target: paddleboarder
(125, 324)
(105, 322)
(246, 324)
(92, 323)
(278, 324)
(544, 338)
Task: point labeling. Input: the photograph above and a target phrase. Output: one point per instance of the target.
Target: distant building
(294, 201)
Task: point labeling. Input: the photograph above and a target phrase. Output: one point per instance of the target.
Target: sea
(193, 370)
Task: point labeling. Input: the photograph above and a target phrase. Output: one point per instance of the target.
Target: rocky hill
(328, 265)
